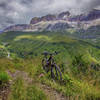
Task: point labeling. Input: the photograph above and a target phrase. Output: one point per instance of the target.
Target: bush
(80, 63)
(4, 78)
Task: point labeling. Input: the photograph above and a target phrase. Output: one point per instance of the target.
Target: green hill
(79, 60)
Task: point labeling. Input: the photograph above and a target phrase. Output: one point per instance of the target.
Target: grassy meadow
(79, 61)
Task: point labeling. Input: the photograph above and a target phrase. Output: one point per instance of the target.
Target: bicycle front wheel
(55, 72)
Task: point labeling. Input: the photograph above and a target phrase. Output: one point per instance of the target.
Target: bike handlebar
(45, 53)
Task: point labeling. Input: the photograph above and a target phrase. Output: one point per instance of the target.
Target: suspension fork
(52, 74)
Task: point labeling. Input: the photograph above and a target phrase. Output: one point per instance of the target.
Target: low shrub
(4, 78)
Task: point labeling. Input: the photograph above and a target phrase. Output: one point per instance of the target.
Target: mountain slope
(60, 21)
(79, 62)
(25, 44)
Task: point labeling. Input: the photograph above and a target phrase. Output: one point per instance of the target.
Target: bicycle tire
(45, 66)
(55, 72)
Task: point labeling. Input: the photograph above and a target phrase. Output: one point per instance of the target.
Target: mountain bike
(49, 65)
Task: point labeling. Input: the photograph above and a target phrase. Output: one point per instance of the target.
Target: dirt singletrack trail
(50, 93)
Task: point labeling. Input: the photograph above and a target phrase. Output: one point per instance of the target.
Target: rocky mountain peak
(35, 20)
(58, 22)
(64, 15)
(49, 17)
(92, 15)
(44, 18)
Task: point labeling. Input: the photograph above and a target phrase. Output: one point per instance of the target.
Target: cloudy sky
(21, 11)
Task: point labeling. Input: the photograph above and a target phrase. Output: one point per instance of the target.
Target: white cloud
(21, 11)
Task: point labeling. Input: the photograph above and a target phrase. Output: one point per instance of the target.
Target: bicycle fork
(52, 74)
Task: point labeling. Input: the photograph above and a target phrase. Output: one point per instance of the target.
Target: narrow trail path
(50, 93)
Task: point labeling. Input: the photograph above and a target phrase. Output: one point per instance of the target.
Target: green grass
(34, 93)
(79, 61)
(4, 77)
(21, 90)
(1, 46)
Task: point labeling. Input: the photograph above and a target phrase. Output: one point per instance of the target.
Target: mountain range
(59, 22)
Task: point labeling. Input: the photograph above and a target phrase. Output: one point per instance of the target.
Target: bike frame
(50, 60)
(49, 65)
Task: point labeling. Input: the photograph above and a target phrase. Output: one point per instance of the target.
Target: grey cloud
(94, 4)
(26, 2)
(21, 11)
(3, 5)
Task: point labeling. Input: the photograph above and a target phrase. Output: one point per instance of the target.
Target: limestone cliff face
(35, 20)
(44, 18)
(61, 16)
(48, 18)
(92, 15)
(64, 15)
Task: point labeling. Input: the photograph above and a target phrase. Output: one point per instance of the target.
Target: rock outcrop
(35, 20)
(64, 15)
(44, 18)
(92, 15)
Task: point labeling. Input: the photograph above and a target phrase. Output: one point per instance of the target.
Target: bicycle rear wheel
(55, 72)
(45, 65)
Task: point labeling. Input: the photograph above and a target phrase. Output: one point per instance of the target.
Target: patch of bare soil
(22, 74)
(4, 91)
